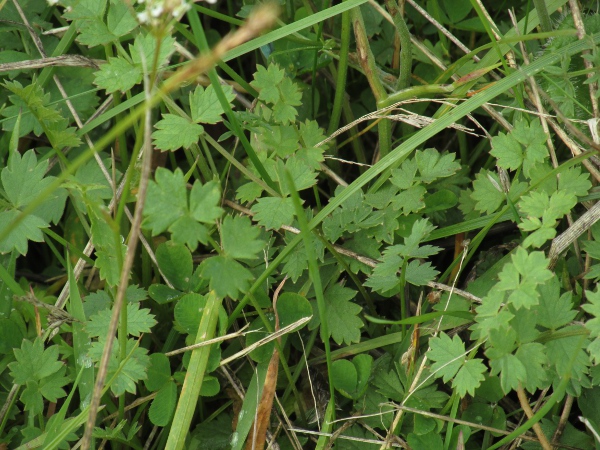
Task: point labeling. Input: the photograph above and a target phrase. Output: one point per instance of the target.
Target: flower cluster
(158, 13)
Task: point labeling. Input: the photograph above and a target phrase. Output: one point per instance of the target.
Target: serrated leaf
(205, 105)
(227, 276)
(533, 357)
(138, 321)
(266, 82)
(274, 212)
(448, 355)
(511, 369)
(522, 276)
(28, 230)
(239, 238)
(554, 310)
(432, 165)
(204, 200)
(133, 370)
(342, 314)
(143, 51)
(469, 377)
(33, 362)
(117, 75)
(174, 132)
(166, 200)
(410, 200)
(107, 263)
(420, 274)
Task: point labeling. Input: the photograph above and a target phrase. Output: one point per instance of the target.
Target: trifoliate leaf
(508, 151)
(469, 377)
(342, 314)
(205, 105)
(273, 212)
(522, 276)
(561, 353)
(228, 278)
(248, 192)
(173, 132)
(533, 138)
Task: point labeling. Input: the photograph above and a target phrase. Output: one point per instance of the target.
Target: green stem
(540, 6)
(403, 312)
(315, 276)
(342, 70)
(367, 62)
(405, 45)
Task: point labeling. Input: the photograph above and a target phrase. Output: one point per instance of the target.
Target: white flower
(143, 17)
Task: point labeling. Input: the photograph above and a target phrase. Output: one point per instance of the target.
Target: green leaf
(166, 200)
(448, 355)
(593, 325)
(522, 276)
(266, 81)
(28, 230)
(138, 321)
(511, 369)
(432, 165)
(533, 357)
(487, 194)
(420, 274)
(554, 310)
(174, 132)
(227, 276)
(33, 362)
(143, 51)
(469, 377)
(175, 262)
(133, 370)
(204, 201)
(239, 238)
(107, 263)
(410, 200)
(524, 145)
(342, 315)
(205, 105)
(351, 378)
(159, 372)
(274, 212)
(188, 312)
(163, 406)
(117, 75)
